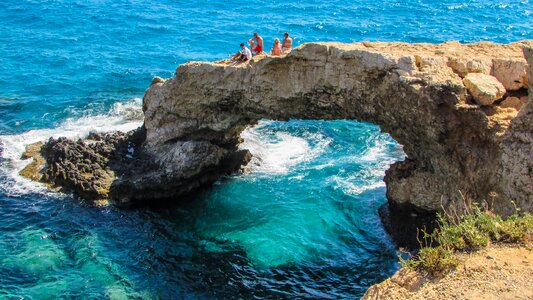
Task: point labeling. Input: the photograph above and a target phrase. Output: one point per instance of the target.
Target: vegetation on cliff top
(474, 229)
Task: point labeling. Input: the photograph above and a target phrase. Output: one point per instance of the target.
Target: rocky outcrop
(512, 74)
(515, 166)
(485, 89)
(115, 166)
(33, 169)
(418, 93)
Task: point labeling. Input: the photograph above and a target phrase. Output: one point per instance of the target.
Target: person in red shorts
(258, 42)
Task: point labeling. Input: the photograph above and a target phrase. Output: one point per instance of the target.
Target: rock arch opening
(416, 93)
(461, 113)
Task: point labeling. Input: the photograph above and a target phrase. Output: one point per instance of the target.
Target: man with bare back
(287, 43)
(258, 41)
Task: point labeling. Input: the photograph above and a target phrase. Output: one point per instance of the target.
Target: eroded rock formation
(459, 141)
(116, 166)
(460, 111)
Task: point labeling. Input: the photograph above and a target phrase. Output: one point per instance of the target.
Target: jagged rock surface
(82, 165)
(485, 89)
(115, 166)
(414, 92)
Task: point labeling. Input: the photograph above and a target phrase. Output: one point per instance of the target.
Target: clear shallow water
(301, 223)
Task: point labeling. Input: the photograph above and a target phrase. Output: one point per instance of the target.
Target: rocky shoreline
(461, 112)
(116, 167)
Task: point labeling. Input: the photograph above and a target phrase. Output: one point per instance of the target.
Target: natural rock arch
(427, 97)
(414, 92)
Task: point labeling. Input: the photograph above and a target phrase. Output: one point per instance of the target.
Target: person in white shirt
(246, 53)
(243, 55)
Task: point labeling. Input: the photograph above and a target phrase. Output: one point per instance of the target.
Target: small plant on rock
(469, 231)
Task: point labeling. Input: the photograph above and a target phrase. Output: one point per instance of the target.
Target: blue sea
(301, 222)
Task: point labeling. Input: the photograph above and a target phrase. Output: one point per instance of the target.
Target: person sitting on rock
(287, 43)
(276, 48)
(243, 55)
(252, 44)
(258, 41)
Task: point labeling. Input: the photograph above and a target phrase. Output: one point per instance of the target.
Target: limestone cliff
(461, 113)
(453, 107)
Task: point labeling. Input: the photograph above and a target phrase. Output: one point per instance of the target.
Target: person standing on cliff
(258, 41)
(287, 43)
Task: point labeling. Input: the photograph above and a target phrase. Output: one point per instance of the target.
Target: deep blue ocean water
(301, 223)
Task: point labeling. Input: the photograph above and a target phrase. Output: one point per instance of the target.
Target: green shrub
(471, 231)
(435, 260)
(517, 229)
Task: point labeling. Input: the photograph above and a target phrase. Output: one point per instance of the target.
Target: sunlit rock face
(458, 149)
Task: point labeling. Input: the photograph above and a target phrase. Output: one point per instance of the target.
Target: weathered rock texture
(115, 166)
(414, 92)
(485, 89)
(515, 165)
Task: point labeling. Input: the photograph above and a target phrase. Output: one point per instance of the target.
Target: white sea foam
(352, 185)
(278, 153)
(375, 160)
(122, 117)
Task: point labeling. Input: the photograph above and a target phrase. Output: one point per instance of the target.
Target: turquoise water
(300, 223)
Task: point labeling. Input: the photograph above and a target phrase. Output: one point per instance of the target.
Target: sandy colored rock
(511, 73)
(463, 66)
(34, 170)
(484, 88)
(414, 92)
(512, 102)
(498, 272)
(516, 152)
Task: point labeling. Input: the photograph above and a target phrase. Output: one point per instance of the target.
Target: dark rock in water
(117, 167)
(85, 166)
(172, 170)
(405, 222)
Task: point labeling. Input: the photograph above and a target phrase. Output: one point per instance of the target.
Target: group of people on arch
(256, 48)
